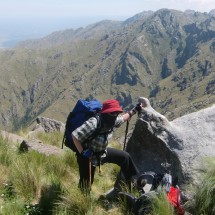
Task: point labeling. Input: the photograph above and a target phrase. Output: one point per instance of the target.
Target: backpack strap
(66, 126)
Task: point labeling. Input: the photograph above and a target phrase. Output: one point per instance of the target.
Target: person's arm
(77, 144)
(86, 153)
(128, 115)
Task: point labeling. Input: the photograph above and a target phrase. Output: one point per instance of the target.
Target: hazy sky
(88, 8)
(26, 19)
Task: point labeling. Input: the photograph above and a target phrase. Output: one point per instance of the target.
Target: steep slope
(192, 86)
(166, 55)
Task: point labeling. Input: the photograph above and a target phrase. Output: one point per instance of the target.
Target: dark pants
(115, 156)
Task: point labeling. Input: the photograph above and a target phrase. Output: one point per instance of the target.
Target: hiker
(96, 150)
(174, 197)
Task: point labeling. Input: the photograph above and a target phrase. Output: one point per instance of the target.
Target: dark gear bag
(83, 110)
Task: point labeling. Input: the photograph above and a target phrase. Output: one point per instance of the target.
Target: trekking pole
(90, 180)
(63, 140)
(126, 132)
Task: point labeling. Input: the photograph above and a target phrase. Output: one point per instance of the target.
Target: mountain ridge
(167, 54)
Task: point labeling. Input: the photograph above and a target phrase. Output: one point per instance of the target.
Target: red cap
(111, 106)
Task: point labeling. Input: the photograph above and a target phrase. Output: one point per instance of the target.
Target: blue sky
(28, 19)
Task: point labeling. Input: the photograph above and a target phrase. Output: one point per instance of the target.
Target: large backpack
(83, 110)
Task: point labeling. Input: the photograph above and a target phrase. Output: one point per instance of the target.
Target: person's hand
(87, 153)
(138, 107)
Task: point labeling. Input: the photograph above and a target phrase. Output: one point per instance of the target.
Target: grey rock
(182, 142)
(36, 145)
(48, 125)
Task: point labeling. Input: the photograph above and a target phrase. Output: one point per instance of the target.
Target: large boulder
(181, 142)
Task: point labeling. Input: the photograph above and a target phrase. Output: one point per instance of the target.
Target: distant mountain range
(167, 56)
(13, 31)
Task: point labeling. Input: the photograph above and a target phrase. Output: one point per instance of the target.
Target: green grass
(46, 184)
(162, 206)
(13, 207)
(6, 159)
(74, 202)
(5, 154)
(37, 184)
(205, 191)
(54, 138)
(27, 176)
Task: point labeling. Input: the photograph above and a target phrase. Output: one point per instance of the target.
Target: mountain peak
(212, 12)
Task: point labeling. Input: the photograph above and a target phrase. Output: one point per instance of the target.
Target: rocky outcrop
(47, 125)
(182, 142)
(38, 146)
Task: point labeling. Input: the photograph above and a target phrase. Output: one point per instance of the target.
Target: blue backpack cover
(83, 110)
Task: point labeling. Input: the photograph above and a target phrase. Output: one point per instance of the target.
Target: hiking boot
(143, 182)
(111, 194)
